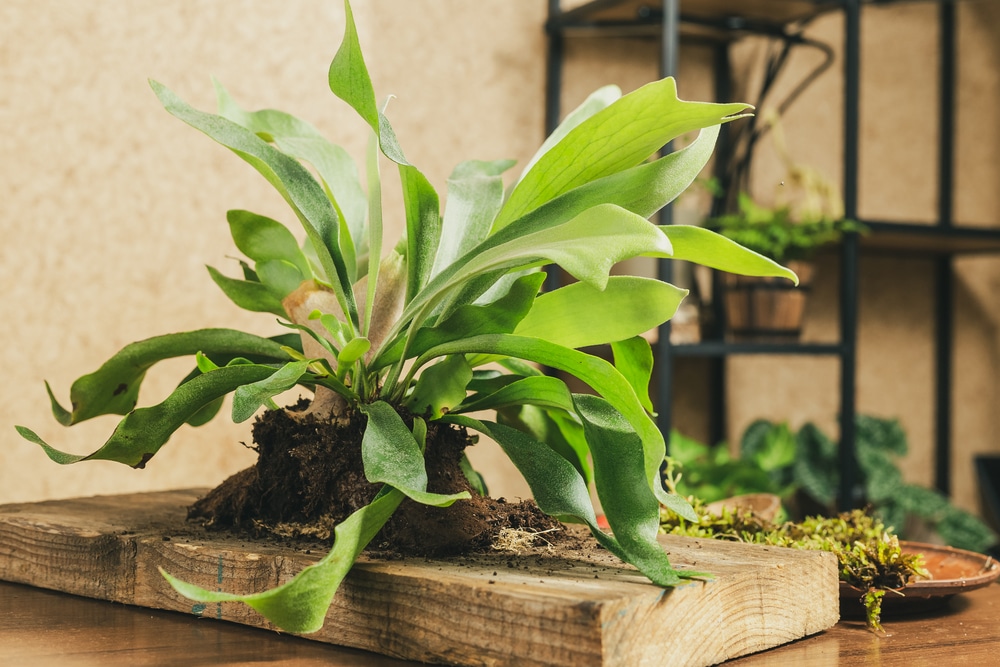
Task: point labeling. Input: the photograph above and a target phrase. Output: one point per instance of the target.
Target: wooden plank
(580, 608)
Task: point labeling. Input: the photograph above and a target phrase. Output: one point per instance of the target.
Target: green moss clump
(869, 556)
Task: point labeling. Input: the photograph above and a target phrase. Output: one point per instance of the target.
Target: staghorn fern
(412, 326)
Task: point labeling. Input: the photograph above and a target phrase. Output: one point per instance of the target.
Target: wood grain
(580, 608)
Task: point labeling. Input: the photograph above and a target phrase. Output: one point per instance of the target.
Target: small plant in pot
(401, 343)
(808, 215)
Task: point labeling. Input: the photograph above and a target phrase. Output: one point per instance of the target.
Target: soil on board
(309, 477)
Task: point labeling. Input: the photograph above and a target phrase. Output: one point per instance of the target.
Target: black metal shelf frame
(726, 20)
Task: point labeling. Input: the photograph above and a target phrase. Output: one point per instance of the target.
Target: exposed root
(516, 540)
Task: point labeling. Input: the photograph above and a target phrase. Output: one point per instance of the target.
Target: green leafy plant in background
(802, 467)
(409, 330)
(808, 213)
(777, 233)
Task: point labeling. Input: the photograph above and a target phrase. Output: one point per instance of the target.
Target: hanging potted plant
(402, 343)
(808, 215)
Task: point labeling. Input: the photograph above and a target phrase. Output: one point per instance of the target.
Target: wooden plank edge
(473, 613)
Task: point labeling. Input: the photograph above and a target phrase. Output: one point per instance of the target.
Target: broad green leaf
(489, 380)
(392, 456)
(441, 387)
(260, 238)
(255, 297)
(643, 189)
(597, 101)
(205, 414)
(475, 194)
(114, 387)
(280, 276)
(250, 397)
(290, 178)
(349, 80)
(580, 315)
(541, 390)
(141, 434)
(301, 604)
(205, 365)
(586, 246)
(556, 486)
(634, 360)
(632, 510)
(703, 246)
(558, 429)
(603, 377)
(885, 435)
(616, 138)
(423, 228)
(354, 350)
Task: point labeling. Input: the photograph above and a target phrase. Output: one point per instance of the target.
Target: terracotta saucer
(952, 571)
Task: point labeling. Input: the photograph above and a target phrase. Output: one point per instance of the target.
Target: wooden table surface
(42, 628)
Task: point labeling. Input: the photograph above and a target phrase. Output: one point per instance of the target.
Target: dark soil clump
(309, 477)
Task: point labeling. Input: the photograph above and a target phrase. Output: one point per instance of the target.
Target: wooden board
(502, 609)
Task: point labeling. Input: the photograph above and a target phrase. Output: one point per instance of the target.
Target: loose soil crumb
(309, 477)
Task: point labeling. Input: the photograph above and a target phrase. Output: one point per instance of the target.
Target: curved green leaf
(349, 80)
(280, 276)
(249, 397)
(598, 100)
(392, 456)
(475, 195)
(643, 189)
(334, 166)
(559, 491)
(614, 139)
(354, 350)
(423, 228)
(634, 360)
(348, 75)
(114, 387)
(579, 314)
(261, 239)
(141, 434)
(441, 387)
(300, 605)
(542, 390)
(603, 377)
(253, 296)
(586, 246)
(632, 510)
(559, 429)
(703, 246)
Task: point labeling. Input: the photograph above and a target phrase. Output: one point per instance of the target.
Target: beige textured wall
(111, 208)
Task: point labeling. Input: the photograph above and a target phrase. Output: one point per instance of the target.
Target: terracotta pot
(766, 309)
(766, 506)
